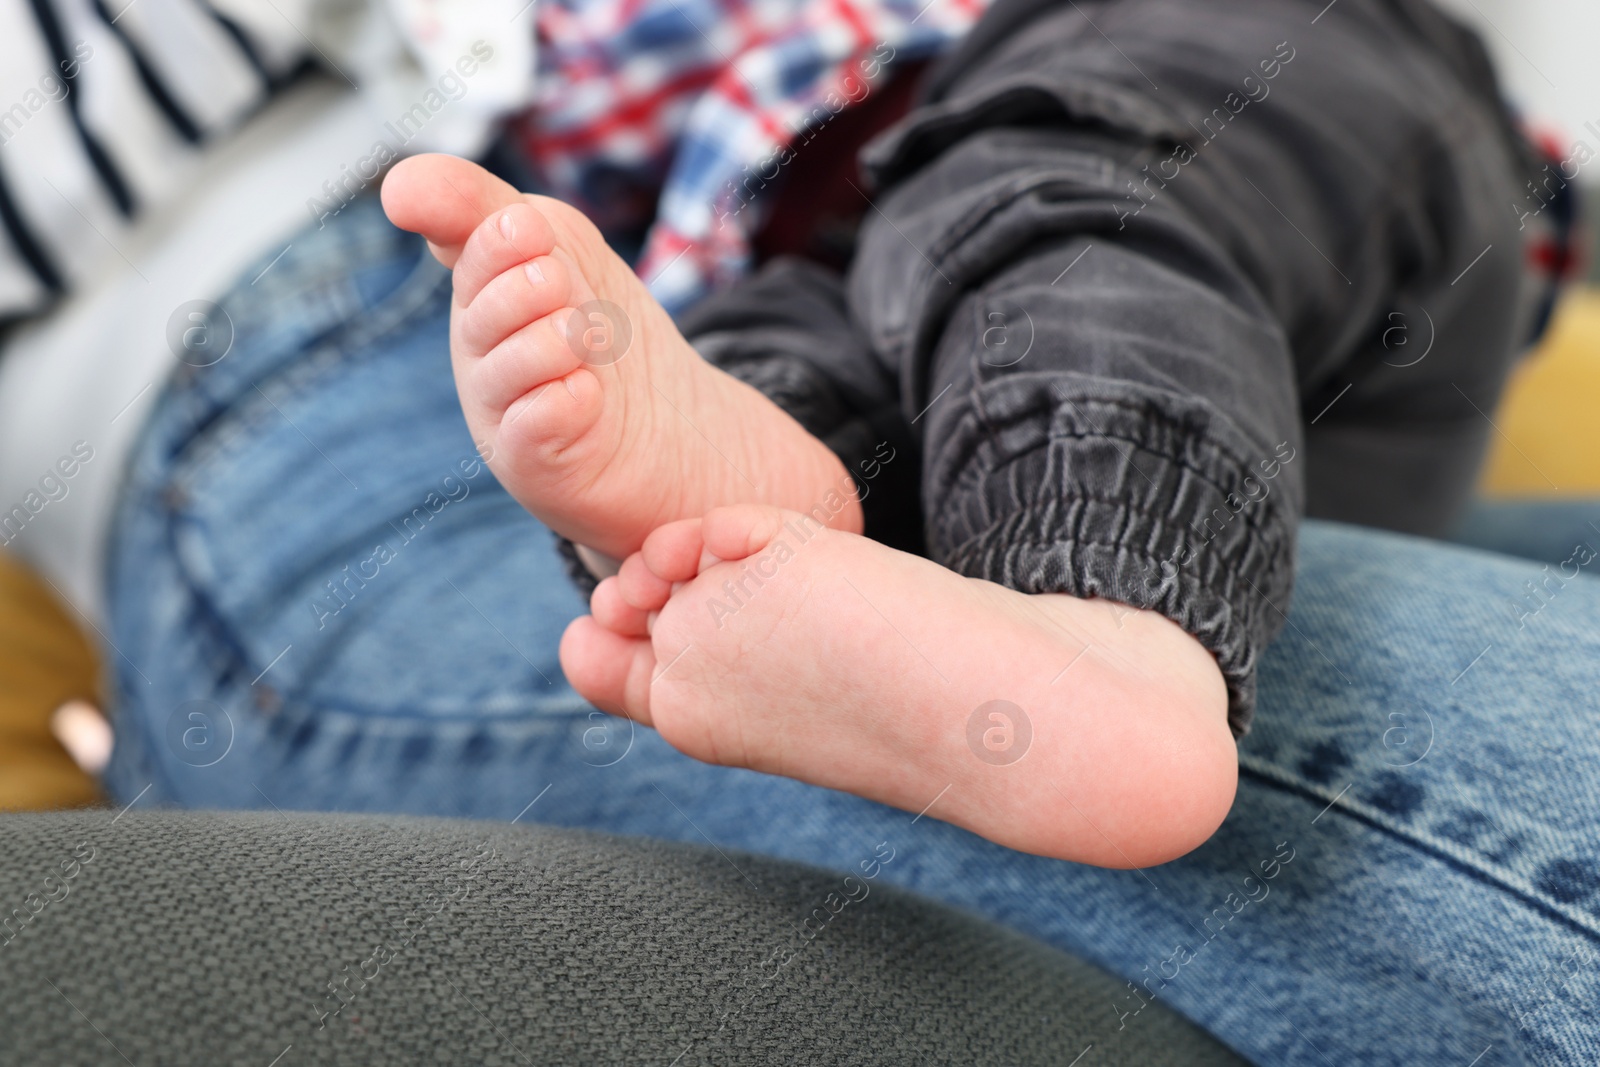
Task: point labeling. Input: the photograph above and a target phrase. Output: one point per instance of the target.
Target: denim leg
(1548, 531)
(320, 598)
(1410, 875)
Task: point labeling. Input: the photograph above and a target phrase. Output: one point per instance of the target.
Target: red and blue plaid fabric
(1550, 217)
(702, 101)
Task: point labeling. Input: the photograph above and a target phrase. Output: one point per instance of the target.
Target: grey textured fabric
(1128, 311)
(212, 939)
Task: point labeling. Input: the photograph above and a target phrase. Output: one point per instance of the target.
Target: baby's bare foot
(599, 417)
(1065, 727)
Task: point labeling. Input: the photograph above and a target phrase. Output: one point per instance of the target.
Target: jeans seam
(1269, 775)
(413, 297)
(340, 347)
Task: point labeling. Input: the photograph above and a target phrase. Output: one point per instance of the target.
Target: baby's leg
(759, 638)
(593, 410)
(1075, 409)
(1068, 725)
(1106, 313)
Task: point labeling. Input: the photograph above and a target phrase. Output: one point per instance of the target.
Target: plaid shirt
(1551, 220)
(703, 101)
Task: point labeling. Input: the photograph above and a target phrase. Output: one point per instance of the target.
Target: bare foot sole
(598, 416)
(1065, 727)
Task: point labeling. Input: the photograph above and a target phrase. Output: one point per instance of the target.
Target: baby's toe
(673, 552)
(445, 199)
(641, 587)
(611, 609)
(524, 293)
(609, 670)
(516, 234)
(530, 360)
(546, 420)
(733, 533)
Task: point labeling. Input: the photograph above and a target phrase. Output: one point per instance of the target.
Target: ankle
(797, 470)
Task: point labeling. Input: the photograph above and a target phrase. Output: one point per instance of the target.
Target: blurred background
(1544, 51)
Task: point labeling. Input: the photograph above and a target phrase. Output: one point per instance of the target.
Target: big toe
(443, 198)
(610, 670)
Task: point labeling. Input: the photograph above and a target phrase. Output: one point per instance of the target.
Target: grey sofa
(281, 940)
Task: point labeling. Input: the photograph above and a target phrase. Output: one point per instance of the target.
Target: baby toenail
(506, 228)
(535, 275)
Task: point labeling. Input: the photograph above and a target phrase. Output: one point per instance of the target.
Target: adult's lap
(313, 573)
(1419, 785)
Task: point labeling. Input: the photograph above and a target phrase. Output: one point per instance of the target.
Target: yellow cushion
(1548, 443)
(44, 660)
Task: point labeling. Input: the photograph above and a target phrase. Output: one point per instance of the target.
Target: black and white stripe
(104, 107)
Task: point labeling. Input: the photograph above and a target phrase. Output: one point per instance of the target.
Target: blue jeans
(319, 600)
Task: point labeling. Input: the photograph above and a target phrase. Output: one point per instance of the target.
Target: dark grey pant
(1146, 281)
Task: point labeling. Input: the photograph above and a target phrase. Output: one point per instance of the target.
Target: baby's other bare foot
(598, 415)
(1065, 727)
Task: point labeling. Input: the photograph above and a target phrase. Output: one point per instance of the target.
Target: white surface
(1545, 53)
(93, 369)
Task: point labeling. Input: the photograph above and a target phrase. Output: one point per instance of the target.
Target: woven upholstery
(198, 938)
